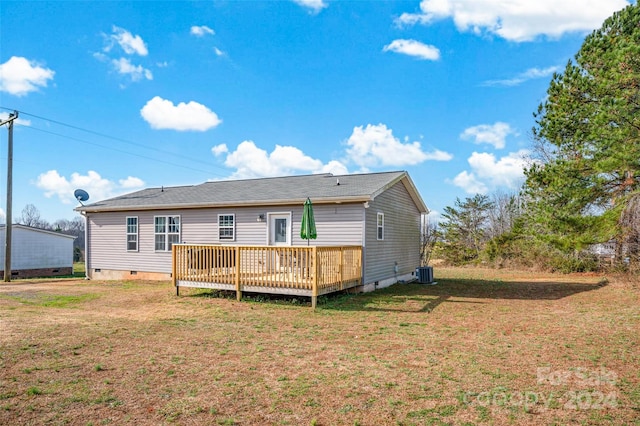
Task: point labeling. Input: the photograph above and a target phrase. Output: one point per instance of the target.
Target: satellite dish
(81, 195)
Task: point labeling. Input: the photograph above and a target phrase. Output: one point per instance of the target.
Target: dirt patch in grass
(480, 347)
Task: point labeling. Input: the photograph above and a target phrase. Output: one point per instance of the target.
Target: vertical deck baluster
(316, 270)
(237, 274)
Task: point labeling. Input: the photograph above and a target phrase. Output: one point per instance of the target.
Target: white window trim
(233, 227)
(137, 233)
(166, 232)
(379, 226)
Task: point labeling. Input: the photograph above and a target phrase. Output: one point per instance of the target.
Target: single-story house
(131, 236)
(37, 252)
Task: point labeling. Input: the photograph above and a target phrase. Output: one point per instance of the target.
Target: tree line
(30, 216)
(582, 188)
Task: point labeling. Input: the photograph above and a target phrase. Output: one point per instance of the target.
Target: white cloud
(201, 31)
(507, 171)
(413, 48)
(489, 172)
(99, 188)
(128, 42)
(375, 145)
(530, 74)
(125, 67)
(370, 146)
(101, 56)
(251, 161)
(437, 155)
(163, 114)
(334, 167)
(493, 134)
(131, 45)
(408, 19)
(218, 51)
(18, 121)
(470, 183)
(220, 149)
(131, 182)
(314, 5)
(19, 76)
(3, 216)
(434, 217)
(516, 20)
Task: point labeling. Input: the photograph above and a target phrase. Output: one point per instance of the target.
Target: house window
(226, 227)
(167, 232)
(381, 226)
(132, 233)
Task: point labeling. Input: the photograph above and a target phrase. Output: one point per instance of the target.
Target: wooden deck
(302, 270)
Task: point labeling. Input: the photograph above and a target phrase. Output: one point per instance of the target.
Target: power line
(117, 150)
(115, 138)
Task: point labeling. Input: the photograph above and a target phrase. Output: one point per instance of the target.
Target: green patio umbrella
(308, 226)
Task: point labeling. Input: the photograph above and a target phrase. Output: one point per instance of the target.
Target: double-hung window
(167, 232)
(132, 233)
(380, 226)
(226, 227)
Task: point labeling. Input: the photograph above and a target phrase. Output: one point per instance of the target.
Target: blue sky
(118, 96)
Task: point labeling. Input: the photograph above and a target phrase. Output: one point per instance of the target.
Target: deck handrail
(311, 270)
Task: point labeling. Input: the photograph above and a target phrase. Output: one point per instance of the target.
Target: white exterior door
(280, 229)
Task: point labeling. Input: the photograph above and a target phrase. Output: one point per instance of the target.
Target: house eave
(248, 203)
(411, 189)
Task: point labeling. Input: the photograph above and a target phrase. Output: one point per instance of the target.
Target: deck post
(173, 269)
(341, 267)
(314, 290)
(237, 266)
(316, 270)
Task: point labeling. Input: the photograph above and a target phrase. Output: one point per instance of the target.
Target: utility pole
(9, 225)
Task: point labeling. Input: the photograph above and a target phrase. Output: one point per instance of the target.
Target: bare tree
(503, 214)
(428, 238)
(73, 227)
(31, 217)
(629, 244)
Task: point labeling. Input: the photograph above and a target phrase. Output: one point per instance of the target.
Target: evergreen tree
(465, 229)
(588, 132)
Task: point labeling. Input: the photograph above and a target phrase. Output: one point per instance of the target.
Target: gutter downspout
(364, 239)
(86, 246)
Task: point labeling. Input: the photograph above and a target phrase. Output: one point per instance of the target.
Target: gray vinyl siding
(337, 224)
(401, 242)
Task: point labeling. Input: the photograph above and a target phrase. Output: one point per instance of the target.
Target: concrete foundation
(110, 274)
(40, 272)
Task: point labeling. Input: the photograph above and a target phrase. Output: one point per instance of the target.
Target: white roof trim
(42, 231)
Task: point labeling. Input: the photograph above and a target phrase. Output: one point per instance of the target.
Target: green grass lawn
(480, 347)
(78, 269)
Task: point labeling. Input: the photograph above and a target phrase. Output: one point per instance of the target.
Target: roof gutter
(248, 203)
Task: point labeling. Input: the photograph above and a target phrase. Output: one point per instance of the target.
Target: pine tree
(588, 131)
(465, 229)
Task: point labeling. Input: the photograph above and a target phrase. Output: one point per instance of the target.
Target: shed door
(280, 229)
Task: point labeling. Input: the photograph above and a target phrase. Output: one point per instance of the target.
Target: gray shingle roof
(321, 188)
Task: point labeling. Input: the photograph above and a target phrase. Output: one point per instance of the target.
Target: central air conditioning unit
(425, 274)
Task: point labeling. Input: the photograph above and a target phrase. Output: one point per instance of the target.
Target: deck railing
(304, 270)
